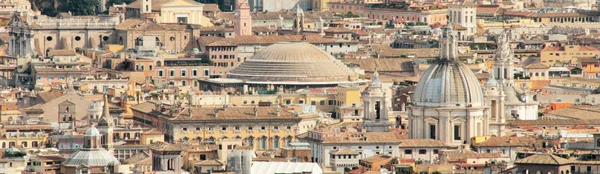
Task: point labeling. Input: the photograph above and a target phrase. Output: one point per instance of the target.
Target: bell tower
(503, 62)
(298, 20)
(106, 126)
(375, 109)
(146, 6)
(243, 20)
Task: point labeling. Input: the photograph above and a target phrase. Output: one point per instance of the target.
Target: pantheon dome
(293, 62)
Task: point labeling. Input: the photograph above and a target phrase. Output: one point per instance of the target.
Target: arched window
(158, 63)
(263, 143)
(543, 74)
(537, 74)
(276, 142)
(251, 141)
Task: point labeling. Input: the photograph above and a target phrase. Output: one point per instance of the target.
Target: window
(224, 128)
(183, 73)
(435, 151)
(262, 128)
(300, 101)
(314, 103)
(422, 151)
(432, 131)
(160, 73)
(322, 102)
(249, 127)
(61, 78)
(183, 20)
(40, 78)
(331, 102)
(197, 128)
(237, 128)
(457, 132)
(408, 152)
(172, 73)
(205, 72)
(184, 129)
(276, 127)
(289, 127)
(50, 77)
(195, 73)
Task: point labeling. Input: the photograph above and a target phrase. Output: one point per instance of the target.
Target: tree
(79, 7)
(49, 11)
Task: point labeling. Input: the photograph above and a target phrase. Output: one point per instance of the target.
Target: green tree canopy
(79, 7)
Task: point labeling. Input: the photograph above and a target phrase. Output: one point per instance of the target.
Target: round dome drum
(448, 83)
(293, 61)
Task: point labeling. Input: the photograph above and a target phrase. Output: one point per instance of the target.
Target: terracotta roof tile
(422, 143)
(547, 159)
(344, 151)
(508, 141)
(536, 66)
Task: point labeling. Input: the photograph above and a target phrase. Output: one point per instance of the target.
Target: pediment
(182, 3)
(430, 120)
(458, 120)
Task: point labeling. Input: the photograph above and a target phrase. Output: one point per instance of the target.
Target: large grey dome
(448, 83)
(293, 61)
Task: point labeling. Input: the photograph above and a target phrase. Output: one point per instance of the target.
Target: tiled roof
(376, 158)
(547, 159)
(211, 8)
(211, 162)
(286, 14)
(50, 95)
(272, 39)
(142, 25)
(557, 122)
(455, 157)
(579, 112)
(536, 66)
(63, 53)
(136, 158)
(588, 60)
(162, 146)
(229, 113)
(508, 141)
(338, 30)
(385, 64)
(364, 137)
(344, 151)
(487, 9)
(422, 143)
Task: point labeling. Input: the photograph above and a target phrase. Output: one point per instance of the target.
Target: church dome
(92, 131)
(293, 62)
(448, 82)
